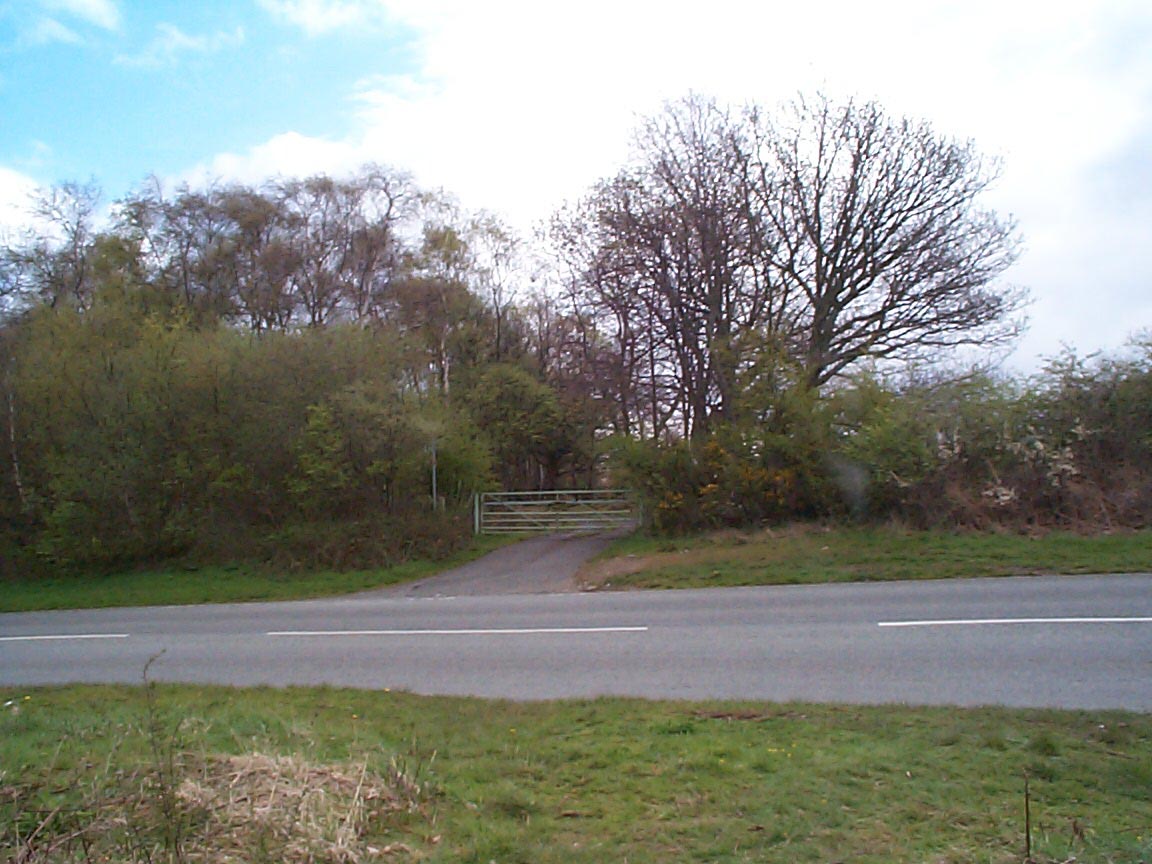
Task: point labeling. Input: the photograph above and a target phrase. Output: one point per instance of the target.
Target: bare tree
(52, 263)
(183, 241)
(665, 247)
(495, 250)
(876, 236)
(259, 257)
(345, 233)
(318, 213)
(822, 237)
(386, 203)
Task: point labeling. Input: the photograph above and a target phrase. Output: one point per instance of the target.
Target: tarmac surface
(536, 565)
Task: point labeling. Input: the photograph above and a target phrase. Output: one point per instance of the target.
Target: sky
(516, 107)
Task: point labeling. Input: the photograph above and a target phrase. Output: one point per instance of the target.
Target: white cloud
(287, 155)
(316, 17)
(16, 192)
(101, 13)
(171, 42)
(518, 106)
(45, 31)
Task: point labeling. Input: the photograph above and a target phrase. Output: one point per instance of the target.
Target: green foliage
(102, 466)
(285, 362)
(323, 472)
(1071, 449)
(727, 479)
(141, 437)
(345, 544)
(522, 419)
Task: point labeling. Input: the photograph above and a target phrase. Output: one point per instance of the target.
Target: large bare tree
(877, 236)
(664, 251)
(824, 235)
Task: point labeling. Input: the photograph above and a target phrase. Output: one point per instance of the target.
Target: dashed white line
(59, 637)
(960, 622)
(517, 631)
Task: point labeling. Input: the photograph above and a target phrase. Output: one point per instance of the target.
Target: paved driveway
(536, 565)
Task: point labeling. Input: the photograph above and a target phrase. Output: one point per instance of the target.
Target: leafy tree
(323, 474)
(523, 423)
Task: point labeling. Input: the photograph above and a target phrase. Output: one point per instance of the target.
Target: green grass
(729, 558)
(595, 781)
(185, 586)
(805, 554)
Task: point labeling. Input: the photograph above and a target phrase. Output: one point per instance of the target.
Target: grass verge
(808, 554)
(188, 585)
(175, 773)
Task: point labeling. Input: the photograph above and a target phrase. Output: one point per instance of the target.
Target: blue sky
(517, 105)
(117, 91)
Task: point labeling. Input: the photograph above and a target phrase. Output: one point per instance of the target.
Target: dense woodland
(755, 320)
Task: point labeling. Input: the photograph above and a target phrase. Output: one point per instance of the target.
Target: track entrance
(556, 511)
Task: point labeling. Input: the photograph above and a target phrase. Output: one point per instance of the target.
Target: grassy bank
(182, 586)
(182, 773)
(806, 554)
(790, 555)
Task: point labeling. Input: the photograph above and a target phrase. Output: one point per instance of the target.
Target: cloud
(517, 106)
(317, 17)
(171, 42)
(287, 155)
(45, 31)
(16, 192)
(100, 13)
(43, 23)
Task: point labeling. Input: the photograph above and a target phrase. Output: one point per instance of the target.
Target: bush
(725, 480)
(364, 544)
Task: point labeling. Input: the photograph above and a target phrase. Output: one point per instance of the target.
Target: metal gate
(569, 510)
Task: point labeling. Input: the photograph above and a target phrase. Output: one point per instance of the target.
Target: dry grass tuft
(307, 812)
(232, 809)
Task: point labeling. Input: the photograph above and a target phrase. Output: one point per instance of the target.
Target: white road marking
(974, 621)
(56, 637)
(518, 631)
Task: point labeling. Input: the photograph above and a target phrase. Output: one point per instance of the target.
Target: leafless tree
(52, 262)
(825, 236)
(876, 236)
(665, 250)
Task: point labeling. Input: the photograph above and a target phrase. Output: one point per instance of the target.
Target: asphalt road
(1072, 642)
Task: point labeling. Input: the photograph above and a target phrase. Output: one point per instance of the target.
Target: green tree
(524, 425)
